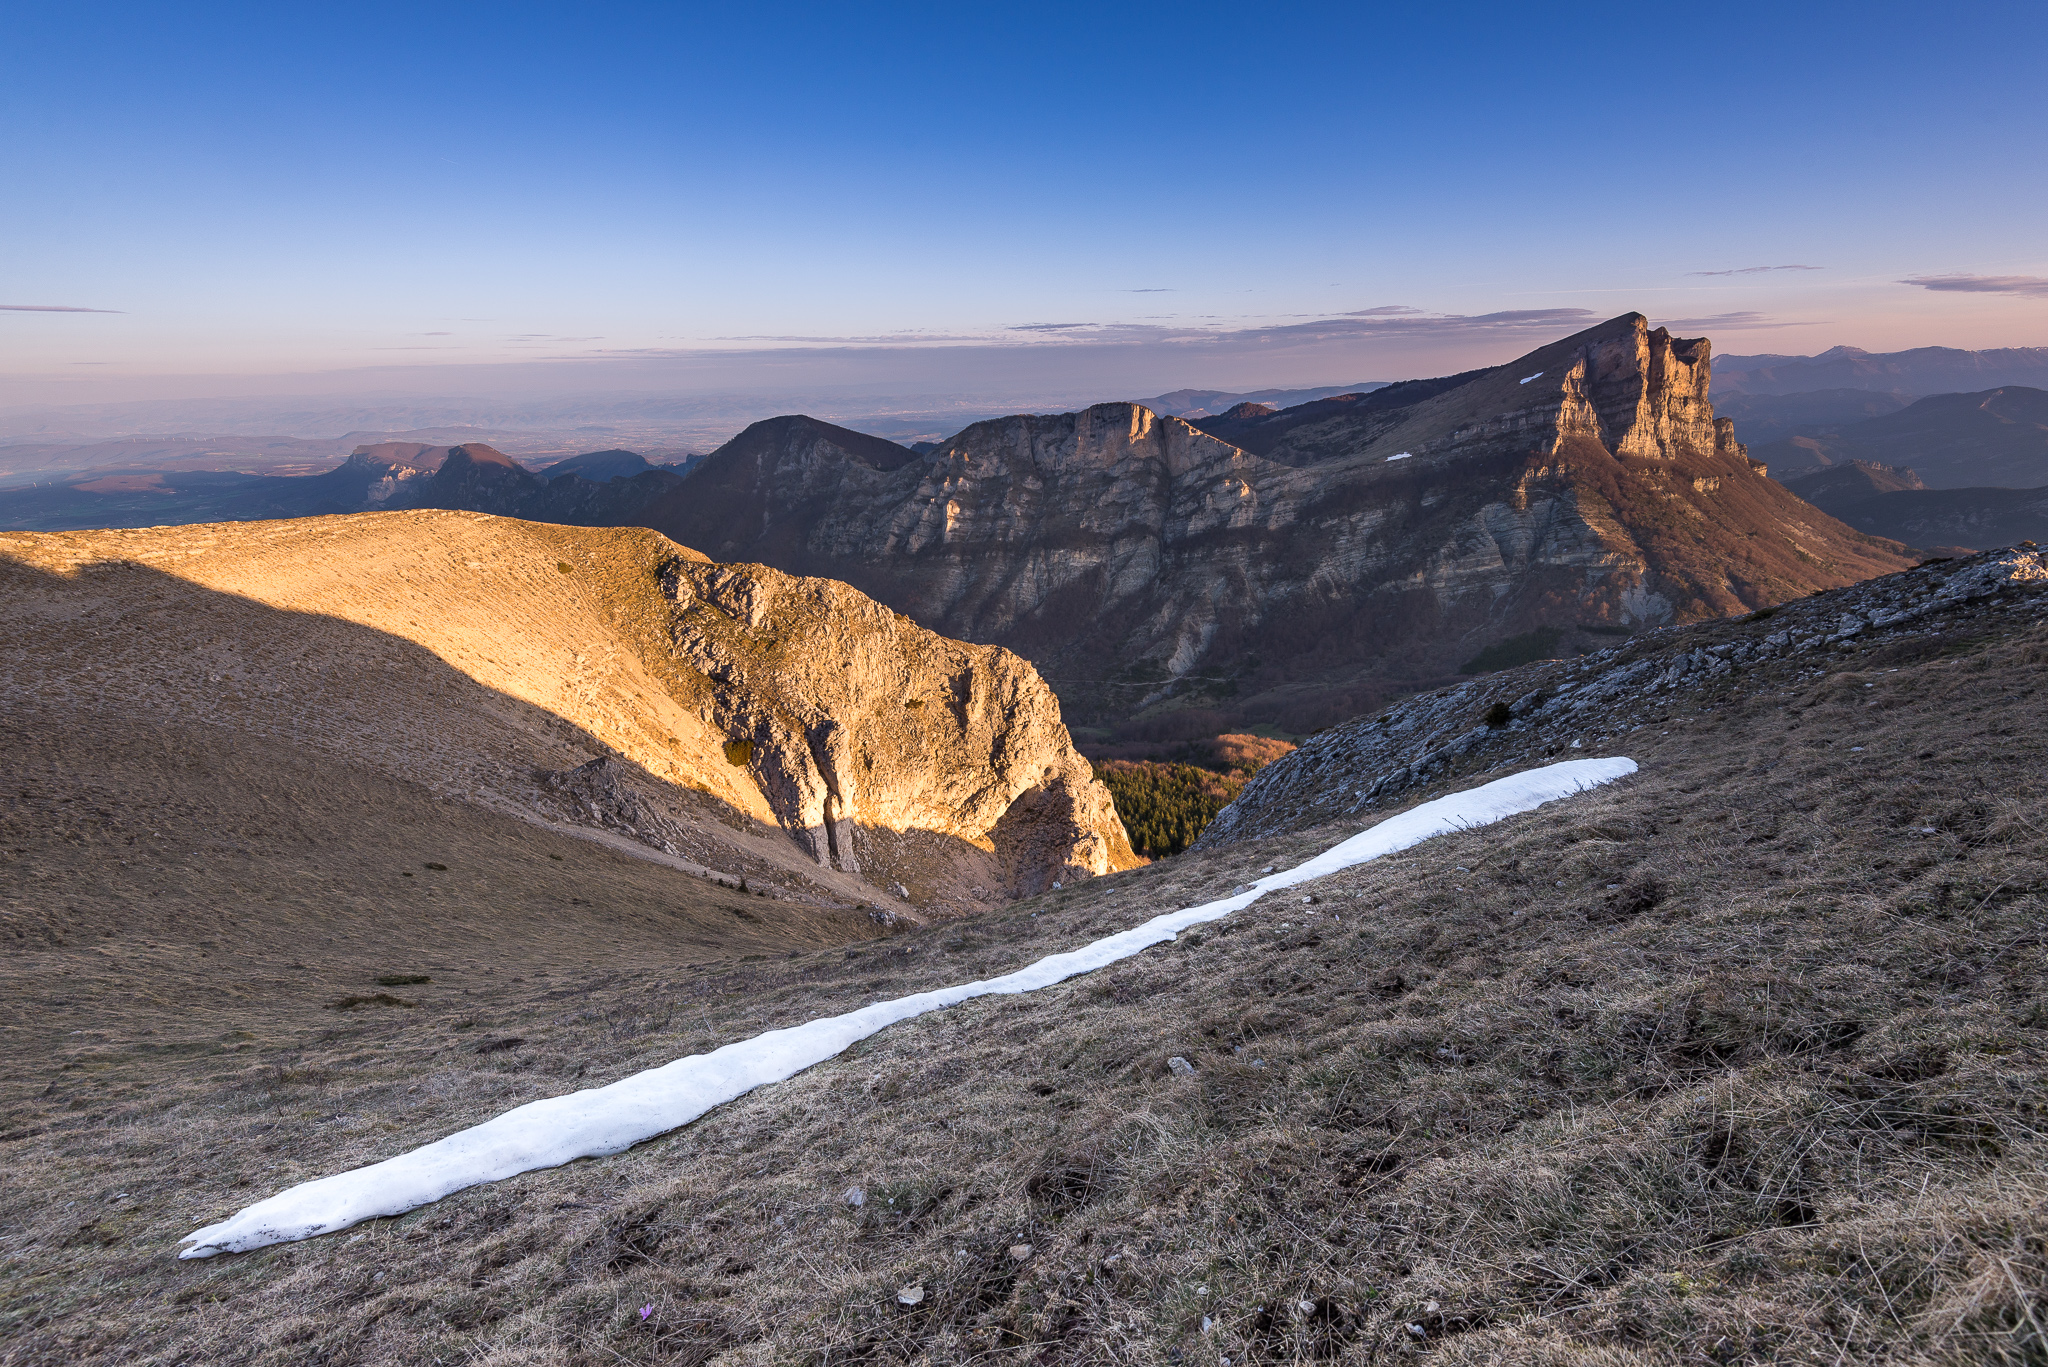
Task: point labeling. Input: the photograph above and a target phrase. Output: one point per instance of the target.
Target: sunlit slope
(604, 678)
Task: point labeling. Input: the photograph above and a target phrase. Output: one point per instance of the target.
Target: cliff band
(1296, 566)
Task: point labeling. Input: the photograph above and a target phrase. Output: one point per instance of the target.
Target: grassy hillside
(1740, 1060)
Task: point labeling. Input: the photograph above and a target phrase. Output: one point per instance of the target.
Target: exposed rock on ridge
(862, 730)
(1555, 709)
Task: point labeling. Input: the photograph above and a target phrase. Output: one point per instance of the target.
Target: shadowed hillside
(1994, 437)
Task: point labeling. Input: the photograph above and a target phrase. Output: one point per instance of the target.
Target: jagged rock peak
(1296, 566)
(855, 723)
(1639, 391)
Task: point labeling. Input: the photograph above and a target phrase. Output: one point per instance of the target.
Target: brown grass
(1739, 1060)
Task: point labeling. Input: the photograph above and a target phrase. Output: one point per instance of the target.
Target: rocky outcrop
(857, 725)
(1642, 393)
(1565, 710)
(387, 474)
(1298, 566)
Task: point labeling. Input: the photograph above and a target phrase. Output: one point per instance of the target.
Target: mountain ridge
(1918, 370)
(1989, 437)
(1705, 1065)
(1146, 563)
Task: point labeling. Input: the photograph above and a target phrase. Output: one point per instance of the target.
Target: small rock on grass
(910, 1295)
(1019, 1252)
(1180, 1066)
(855, 1197)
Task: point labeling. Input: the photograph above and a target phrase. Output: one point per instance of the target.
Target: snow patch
(607, 1120)
(1403, 456)
(1537, 376)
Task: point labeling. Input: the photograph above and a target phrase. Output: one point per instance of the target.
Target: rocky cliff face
(1298, 566)
(745, 722)
(867, 735)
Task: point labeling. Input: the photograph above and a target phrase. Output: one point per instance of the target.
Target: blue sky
(1226, 195)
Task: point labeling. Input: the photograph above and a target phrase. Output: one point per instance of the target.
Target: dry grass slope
(1742, 1060)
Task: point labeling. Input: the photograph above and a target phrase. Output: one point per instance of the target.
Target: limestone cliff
(868, 736)
(731, 718)
(1297, 566)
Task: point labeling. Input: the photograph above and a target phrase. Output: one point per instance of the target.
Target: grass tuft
(350, 1003)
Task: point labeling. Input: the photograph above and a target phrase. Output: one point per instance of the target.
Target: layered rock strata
(1297, 566)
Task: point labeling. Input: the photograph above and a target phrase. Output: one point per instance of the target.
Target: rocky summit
(1298, 566)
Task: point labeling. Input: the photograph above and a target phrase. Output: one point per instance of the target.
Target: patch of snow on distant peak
(1537, 376)
(607, 1120)
(1403, 456)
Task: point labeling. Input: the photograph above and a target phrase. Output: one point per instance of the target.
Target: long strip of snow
(606, 1120)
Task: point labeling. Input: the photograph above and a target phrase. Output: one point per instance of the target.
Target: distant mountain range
(597, 489)
(1178, 577)
(1994, 437)
(1923, 370)
(1281, 558)
(1765, 418)
(35, 463)
(1892, 503)
(50, 444)
(1938, 447)
(1979, 464)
